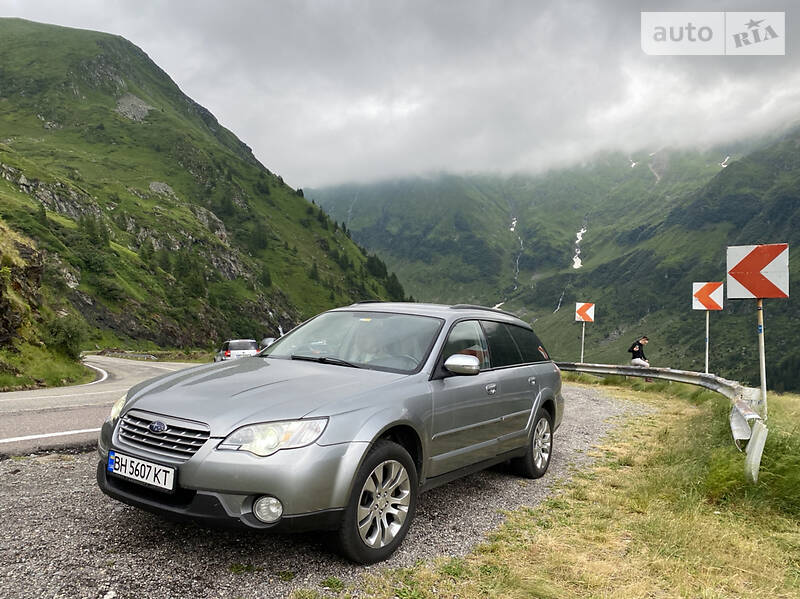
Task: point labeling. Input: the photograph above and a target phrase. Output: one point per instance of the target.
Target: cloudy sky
(329, 91)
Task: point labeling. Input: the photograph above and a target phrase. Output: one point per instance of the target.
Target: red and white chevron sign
(707, 296)
(584, 312)
(758, 271)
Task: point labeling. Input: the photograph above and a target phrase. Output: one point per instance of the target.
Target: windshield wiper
(325, 360)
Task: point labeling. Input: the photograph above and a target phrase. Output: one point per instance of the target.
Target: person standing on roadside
(637, 352)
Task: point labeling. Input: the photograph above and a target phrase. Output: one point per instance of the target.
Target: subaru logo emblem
(157, 427)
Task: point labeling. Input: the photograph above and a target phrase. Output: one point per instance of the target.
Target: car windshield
(239, 345)
(375, 340)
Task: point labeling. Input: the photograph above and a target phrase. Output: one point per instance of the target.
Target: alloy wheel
(383, 504)
(542, 443)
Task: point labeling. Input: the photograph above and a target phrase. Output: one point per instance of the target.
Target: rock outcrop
(133, 108)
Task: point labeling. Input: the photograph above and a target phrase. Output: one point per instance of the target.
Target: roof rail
(476, 307)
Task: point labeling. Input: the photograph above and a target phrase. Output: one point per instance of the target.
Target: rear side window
(502, 348)
(529, 344)
(240, 345)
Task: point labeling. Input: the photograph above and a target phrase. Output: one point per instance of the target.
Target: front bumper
(208, 507)
(219, 486)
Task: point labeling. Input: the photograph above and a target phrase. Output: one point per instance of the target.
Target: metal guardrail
(747, 426)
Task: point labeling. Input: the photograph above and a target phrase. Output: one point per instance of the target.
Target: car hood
(231, 394)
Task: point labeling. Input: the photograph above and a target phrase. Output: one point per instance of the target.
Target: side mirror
(463, 364)
(267, 341)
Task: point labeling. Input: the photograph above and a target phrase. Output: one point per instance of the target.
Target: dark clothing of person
(637, 350)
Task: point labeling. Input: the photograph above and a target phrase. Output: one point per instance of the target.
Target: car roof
(447, 312)
(230, 340)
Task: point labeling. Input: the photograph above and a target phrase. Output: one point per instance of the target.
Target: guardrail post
(755, 449)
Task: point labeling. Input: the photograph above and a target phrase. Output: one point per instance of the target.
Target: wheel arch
(549, 404)
(409, 439)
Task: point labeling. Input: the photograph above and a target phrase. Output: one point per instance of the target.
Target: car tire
(381, 506)
(540, 447)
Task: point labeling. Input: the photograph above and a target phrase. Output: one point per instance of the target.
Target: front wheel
(381, 506)
(540, 447)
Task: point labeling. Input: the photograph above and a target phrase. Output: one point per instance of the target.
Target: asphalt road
(55, 418)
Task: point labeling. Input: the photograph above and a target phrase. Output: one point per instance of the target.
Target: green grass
(34, 366)
(332, 583)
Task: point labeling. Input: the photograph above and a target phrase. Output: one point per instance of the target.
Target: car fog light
(267, 509)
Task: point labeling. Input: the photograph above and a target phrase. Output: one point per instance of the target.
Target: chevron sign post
(759, 272)
(707, 296)
(584, 312)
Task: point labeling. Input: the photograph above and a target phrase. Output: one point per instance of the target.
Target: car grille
(180, 441)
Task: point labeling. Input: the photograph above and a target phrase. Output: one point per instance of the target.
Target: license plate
(141, 471)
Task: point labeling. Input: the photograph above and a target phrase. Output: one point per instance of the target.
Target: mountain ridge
(155, 225)
(647, 236)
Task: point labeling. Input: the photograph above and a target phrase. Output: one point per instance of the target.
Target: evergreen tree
(266, 277)
(164, 261)
(259, 239)
(146, 252)
(394, 288)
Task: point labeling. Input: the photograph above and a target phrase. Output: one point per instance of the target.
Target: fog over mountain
(327, 92)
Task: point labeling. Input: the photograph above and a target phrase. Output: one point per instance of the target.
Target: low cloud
(328, 92)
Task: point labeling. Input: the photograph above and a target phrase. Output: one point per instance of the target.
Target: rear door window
(529, 344)
(503, 350)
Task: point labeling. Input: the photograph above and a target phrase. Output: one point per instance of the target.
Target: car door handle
(491, 388)
(531, 380)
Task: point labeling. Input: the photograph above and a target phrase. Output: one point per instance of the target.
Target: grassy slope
(401, 219)
(646, 289)
(646, 242)
(59, 92)
(28, 362)
(444, 236)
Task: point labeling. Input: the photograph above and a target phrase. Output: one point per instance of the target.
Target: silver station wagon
(338, 425)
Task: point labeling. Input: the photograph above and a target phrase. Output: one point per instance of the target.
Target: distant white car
(236, 348)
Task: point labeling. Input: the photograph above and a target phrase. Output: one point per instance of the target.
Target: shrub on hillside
(108, 288)
(65, 335)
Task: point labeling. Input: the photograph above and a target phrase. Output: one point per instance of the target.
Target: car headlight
(266, 438)
(117, 408)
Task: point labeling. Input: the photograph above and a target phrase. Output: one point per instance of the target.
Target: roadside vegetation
(30, 366)
(665, 511)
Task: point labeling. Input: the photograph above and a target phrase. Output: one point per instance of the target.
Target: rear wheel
(381, 506)
(540, 447)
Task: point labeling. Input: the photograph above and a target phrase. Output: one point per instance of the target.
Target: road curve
(59, 417)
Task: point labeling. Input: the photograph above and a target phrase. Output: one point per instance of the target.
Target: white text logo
(714, 33)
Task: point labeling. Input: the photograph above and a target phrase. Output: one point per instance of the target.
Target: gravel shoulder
(63, 538)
